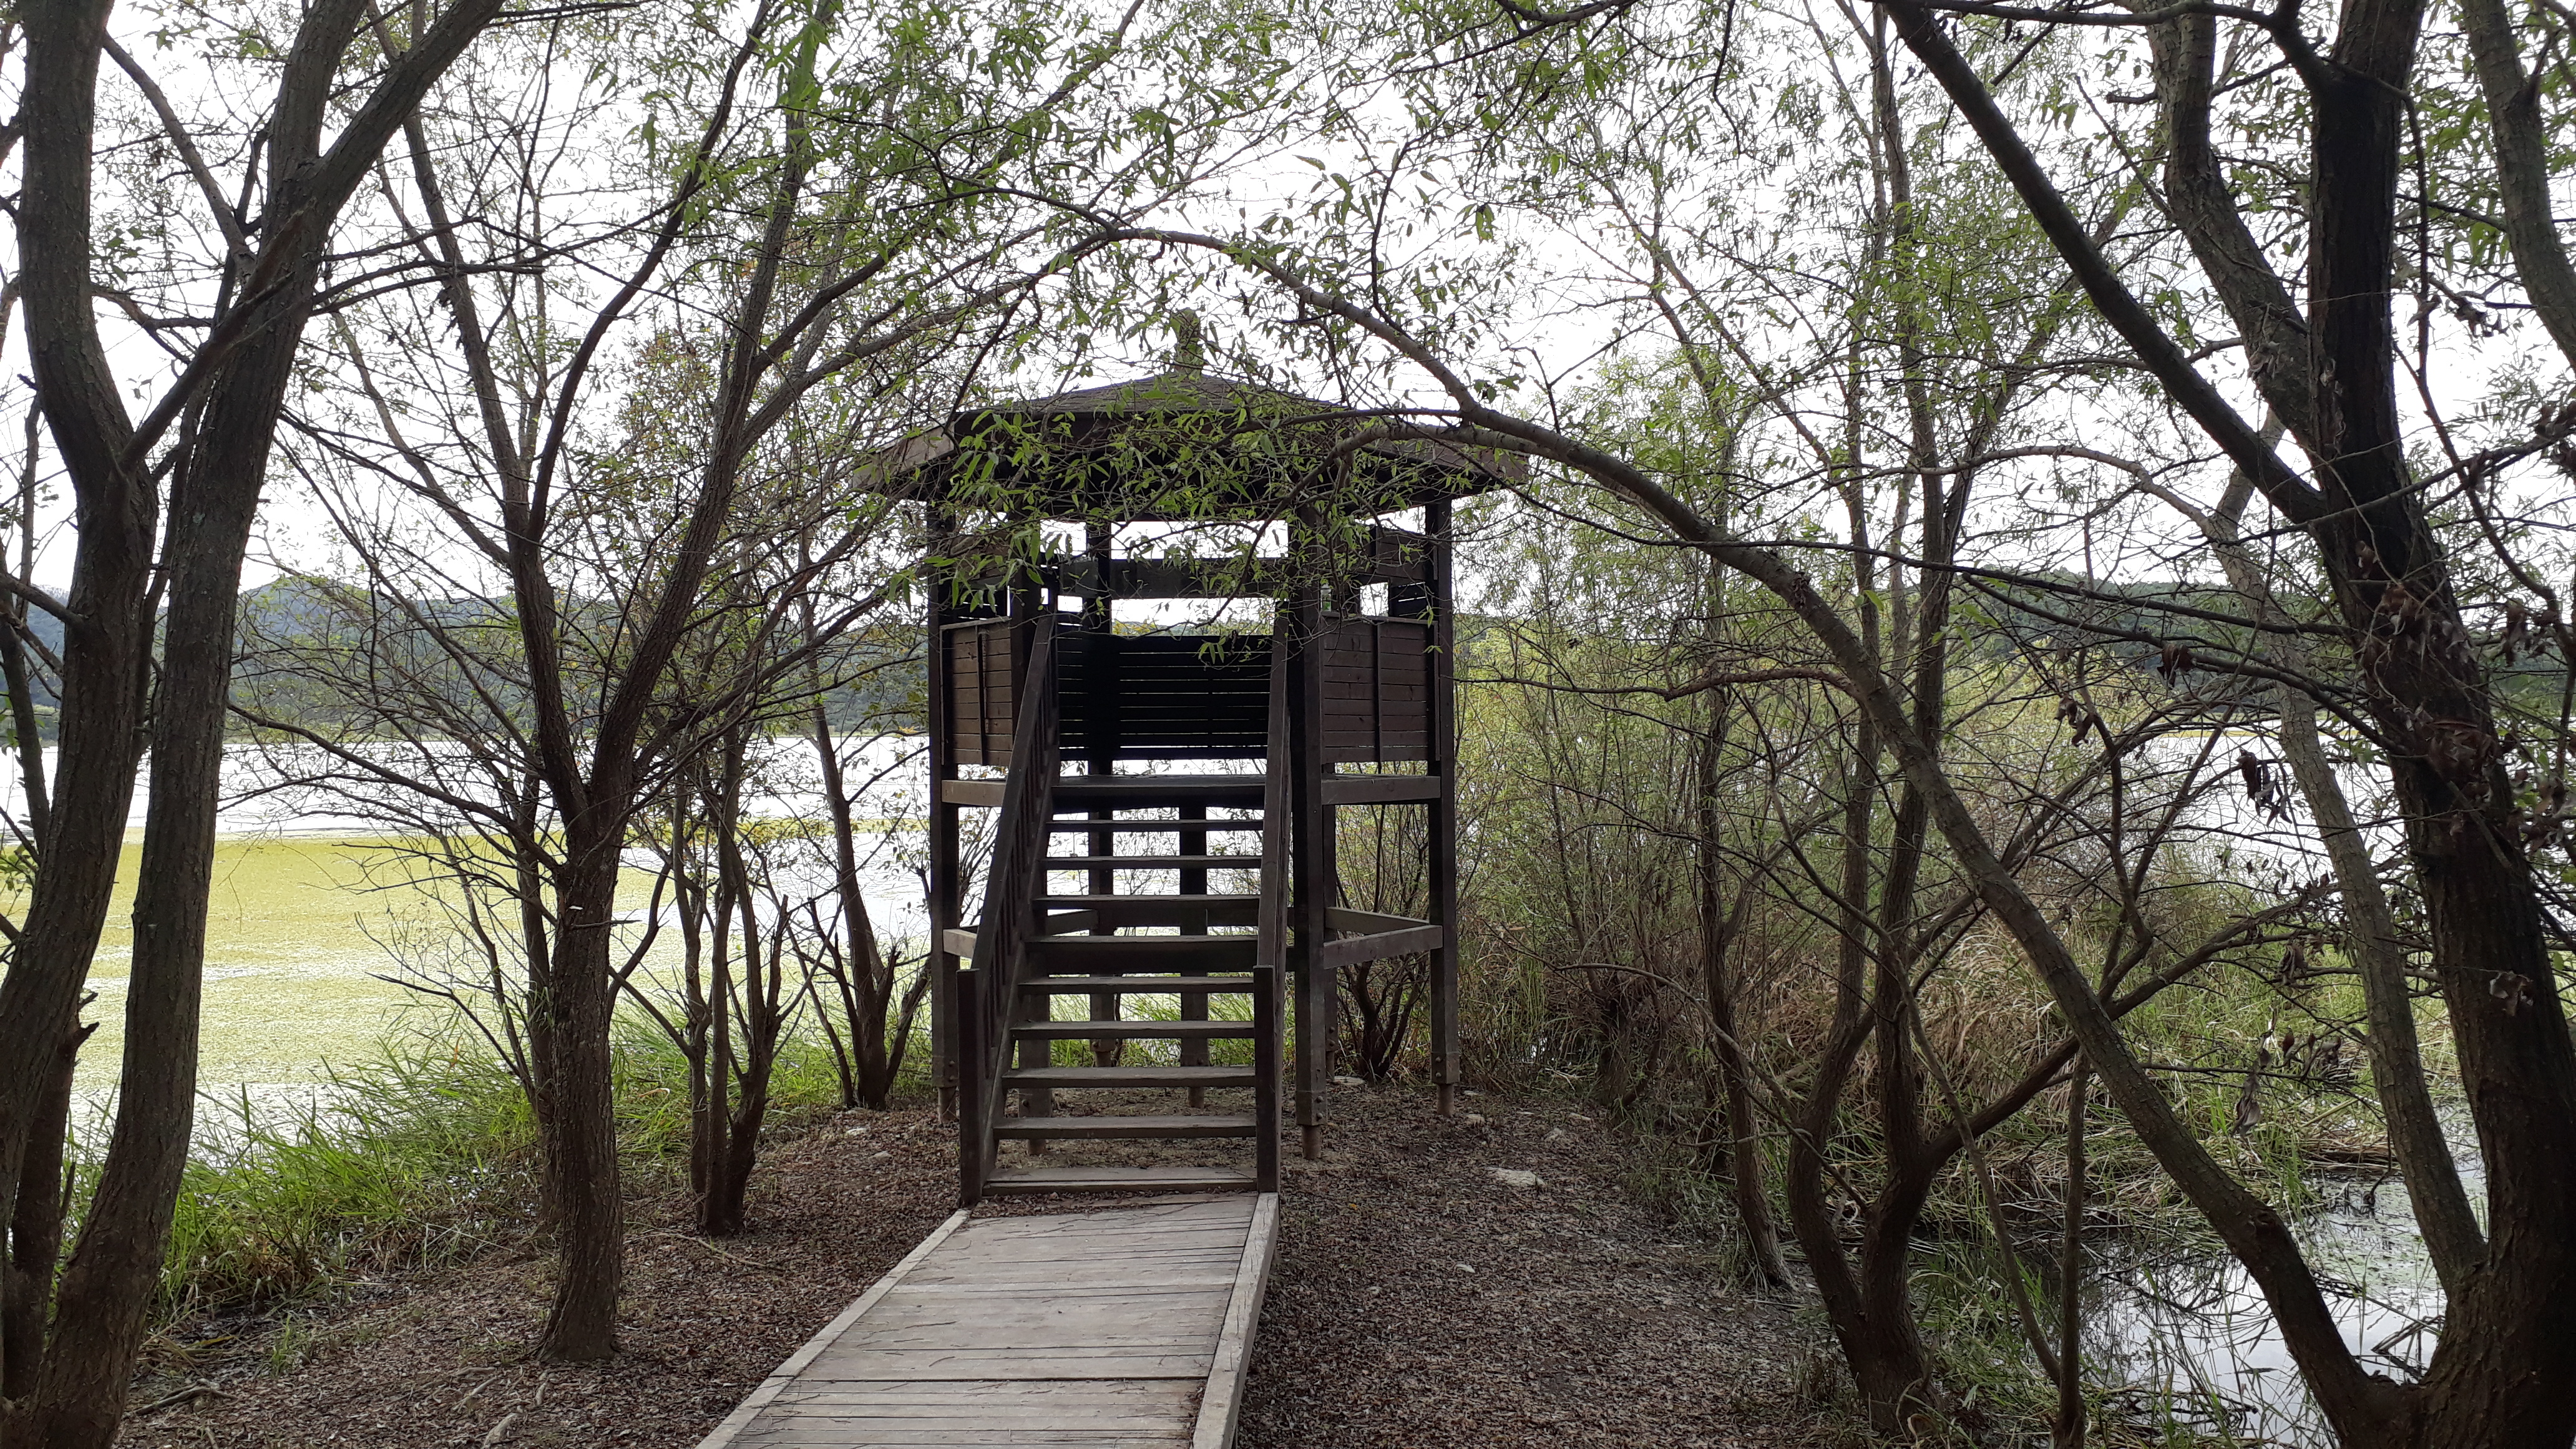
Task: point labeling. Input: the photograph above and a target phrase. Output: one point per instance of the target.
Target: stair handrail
(1275, 810)
(1270, 956)
(1010, 899)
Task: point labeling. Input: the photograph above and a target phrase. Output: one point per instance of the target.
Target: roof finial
(1189, 347)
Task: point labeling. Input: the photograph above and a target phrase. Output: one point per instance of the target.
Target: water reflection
(2191, 1333)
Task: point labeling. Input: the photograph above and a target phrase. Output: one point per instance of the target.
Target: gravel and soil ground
(1420, 1301)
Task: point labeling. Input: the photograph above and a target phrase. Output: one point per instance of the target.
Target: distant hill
(298, 639)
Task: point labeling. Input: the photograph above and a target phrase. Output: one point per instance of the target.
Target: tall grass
(651, 1079)
(420, 1156)
(425, 1154)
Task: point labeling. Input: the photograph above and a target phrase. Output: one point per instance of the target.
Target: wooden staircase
(1182, 984)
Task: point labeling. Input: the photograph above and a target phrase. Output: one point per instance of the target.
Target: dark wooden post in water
(1184, 731)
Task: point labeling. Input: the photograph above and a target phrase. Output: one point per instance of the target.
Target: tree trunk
(2506, 1366)
(1874, 1327)
(739, 1071)
(105, 638)
(866, 980)
(581, 1143)
(108, 1286)
(2505, 1371)
(1716, 935)
(715, 1111)
(2521, 140)
(2452, 1237)
(36, 1227)
(2068, 1431)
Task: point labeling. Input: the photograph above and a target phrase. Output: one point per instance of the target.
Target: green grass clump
(425, 1155)
(652, 1084)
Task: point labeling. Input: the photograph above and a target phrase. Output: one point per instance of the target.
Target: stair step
(1061, 1129)
(1154, 862)
(1129, 1030)
(1122, 792)
(1153, 827)
(1148, 953)
(1120, 1179)
(1178, 903)
(1132, 985)
(1159, 910)
(1152, 945)
(1129, 1077)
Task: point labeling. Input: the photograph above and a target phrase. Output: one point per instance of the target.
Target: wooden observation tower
(1159, 793)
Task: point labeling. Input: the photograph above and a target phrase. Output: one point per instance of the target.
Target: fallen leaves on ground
(1419, 1301)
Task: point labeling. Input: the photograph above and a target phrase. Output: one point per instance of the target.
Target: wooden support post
(1033, 608)
(1105, 1005)
(1100, 713)
(1194, 1004)
(1442, 837)
(1265, 1076)
(1312, 836)
(942, 965)
(974, 1129)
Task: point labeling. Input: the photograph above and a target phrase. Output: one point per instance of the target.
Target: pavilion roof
(1182, 445)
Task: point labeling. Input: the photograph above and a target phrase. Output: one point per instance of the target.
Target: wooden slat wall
(1165, 696)
(1377, 690)
(985, 661)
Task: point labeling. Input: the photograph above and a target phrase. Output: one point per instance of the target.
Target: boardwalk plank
(859, 1435)
(1195, 1274)
(1094, 1329)
(945, 1391)
(1033, 1363)
(1082, 1401)
(1063, 1337)
(1231, 1364)
(1089, 1248)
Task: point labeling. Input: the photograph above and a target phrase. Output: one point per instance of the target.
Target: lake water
(2187, 1326)
(2192, 1327)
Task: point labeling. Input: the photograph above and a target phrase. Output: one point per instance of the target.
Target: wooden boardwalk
(1127, 1326)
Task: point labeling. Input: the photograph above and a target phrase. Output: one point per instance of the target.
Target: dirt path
(1420, 1301)
(442, 1359)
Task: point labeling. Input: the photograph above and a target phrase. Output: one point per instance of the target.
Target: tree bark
(878, 1032)
(2197, 194)
(105, 636)
(576, 1007)
(2505, 1372)
(2522, 170)
(107, 1287)
(36, 1227)
(1866, 1294)
(2068, 1431)
(2452, 1237)
(738, 1072)
(1717, 931)
(2443, 1212)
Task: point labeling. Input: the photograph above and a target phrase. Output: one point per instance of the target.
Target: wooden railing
(1270, 957)
(988, 997)
(1275, 811)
